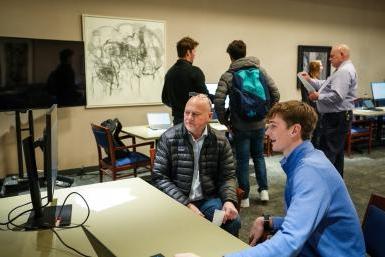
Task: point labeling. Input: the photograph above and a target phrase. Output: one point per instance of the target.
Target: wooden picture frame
(125, 61)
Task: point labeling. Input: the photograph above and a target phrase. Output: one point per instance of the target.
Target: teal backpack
(249, 95)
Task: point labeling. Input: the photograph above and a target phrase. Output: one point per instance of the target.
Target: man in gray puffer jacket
(195, 166)
(248, 135)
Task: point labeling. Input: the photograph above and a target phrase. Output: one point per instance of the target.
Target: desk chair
(373, 226)
(240, 193)
(268, 147)
(110, 164)
(361, 131)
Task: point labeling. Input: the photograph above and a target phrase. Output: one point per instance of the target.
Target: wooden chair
(240, 193)
(373, 226)
(361, 131)
(268, 148)
(109, 163)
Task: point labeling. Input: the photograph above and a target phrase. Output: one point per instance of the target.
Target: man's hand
(313, 96)
(230, 211)
(256, 231)
(195, 209)
(185, 255)
(305, 75)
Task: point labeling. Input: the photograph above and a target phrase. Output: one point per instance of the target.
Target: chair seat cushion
(374, 228)
(359, 130)
(132, 158)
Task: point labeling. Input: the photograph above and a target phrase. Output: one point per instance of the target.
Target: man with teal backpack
(252, 92)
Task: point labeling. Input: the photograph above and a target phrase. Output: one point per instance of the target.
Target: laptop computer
(158, 120)
(367, 104)
(100, 249)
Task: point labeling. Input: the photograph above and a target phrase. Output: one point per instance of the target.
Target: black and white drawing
(125, 61)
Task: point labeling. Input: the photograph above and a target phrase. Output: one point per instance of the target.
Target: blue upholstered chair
(113, 165)
(373, 226)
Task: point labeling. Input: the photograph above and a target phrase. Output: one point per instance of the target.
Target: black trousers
(333, 130)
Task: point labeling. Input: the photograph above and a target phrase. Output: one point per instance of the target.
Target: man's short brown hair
(236, 49)
(184, 45)
(296, 112)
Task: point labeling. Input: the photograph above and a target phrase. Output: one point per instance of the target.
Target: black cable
(88, 211)
(69, 227)
(66, 245)
(14, 209)
(11, 220)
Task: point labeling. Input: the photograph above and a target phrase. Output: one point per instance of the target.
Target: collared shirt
(196, 188)
(338, 91)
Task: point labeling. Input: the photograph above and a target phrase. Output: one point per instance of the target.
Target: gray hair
(202, 97)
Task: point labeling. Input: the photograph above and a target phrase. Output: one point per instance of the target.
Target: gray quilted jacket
(174, 166)
(224, 87)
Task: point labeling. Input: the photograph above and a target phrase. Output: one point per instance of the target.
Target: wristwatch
(266, 222)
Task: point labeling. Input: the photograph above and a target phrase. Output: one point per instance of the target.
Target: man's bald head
(344, 49)
(197, 114)
(201, 99)
(339, 54)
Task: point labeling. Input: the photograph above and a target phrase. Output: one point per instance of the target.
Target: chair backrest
(240, 193)
(103, 138)
(373, 226)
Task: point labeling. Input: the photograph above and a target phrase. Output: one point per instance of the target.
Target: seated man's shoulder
(173, 132)
(219, 137)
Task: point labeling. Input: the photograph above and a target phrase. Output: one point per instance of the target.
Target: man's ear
(188, 53)
(210, 115)
(296, 131)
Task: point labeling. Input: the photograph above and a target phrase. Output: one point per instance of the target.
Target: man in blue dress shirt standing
(334, 99)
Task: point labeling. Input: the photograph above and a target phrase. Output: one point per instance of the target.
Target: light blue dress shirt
(338, 91)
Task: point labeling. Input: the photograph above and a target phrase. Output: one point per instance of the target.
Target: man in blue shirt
(320, 216)
(334, 99)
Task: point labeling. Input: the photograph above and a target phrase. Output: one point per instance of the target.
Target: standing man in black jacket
(195, 165)
(183, 78)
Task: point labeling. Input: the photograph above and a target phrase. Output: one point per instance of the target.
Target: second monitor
(212, 88)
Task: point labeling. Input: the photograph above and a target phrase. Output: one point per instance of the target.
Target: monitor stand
(13, 184)
(48, 219)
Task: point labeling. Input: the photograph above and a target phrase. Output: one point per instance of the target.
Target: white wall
(272, 30)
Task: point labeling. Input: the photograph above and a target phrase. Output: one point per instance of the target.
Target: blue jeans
(207, 207)
(250, 143)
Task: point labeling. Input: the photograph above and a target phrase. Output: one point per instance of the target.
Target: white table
(369, 113)
(145, 133)
(130, 217)
(373, 114)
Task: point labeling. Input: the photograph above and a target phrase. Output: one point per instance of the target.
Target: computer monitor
(44, 217)
(50, 150)
(212, 88)
(378, 90)
(158, 120)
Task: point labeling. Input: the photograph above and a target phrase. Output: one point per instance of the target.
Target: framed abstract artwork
(125, 61)
(306, 54)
